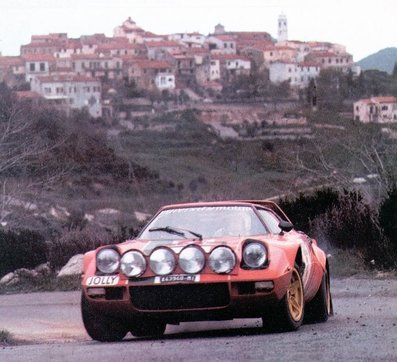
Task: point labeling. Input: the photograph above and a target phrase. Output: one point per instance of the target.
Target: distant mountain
(382, 60)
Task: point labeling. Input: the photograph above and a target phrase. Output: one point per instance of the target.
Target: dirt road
(364, 328)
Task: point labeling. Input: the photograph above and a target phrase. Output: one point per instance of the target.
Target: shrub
(388, 218)
(75, 242)
(353, 225)
(305, 208)
(23, 249)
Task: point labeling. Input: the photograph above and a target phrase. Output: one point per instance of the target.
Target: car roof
(263, 203)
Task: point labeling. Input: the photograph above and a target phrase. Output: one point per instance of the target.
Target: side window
(270, 220)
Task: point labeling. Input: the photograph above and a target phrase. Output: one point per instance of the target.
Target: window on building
(330, 60)
(42, 67)
(32, 67)
(385, 108)
(225, 45)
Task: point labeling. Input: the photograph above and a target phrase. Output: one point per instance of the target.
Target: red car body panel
(232, 295)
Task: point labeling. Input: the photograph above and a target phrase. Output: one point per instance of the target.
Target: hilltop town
(91, 71)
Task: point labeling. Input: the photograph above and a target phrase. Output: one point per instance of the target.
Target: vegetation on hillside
(384, 60)
(82, 165)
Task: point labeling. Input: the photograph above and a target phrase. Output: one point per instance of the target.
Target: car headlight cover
(162, 261)
(133, 264)
(222, 260)
(254, 255)
(191, 260)
(108, 260)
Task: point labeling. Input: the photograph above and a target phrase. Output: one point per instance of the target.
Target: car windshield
(205, 221)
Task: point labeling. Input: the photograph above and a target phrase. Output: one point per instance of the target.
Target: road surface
(48, 327)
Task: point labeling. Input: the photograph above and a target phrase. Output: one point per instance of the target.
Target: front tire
(288, 314)
(320, 307)
(101, 327)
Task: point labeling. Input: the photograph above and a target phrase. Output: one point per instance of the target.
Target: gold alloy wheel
(295, 296)
(328, 296)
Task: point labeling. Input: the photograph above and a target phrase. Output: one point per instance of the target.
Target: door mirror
(285, 226)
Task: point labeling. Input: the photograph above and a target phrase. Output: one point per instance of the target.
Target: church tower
(282, 28)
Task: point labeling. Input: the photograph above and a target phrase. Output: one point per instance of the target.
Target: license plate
(102, 280)
(177, 278)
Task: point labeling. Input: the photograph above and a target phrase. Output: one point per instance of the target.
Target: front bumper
(226, 298)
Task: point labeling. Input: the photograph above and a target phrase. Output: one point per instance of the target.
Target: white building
(190, 40)
(70, 92)
(282, 33)
(376, 109)
(221, 44)
(97, 66)
(129, 30)
(297, 74)
(164, 81)
(37, 65)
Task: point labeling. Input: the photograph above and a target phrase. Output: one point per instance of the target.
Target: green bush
(388, 218)
(75, 242)
(354, 225)
(303, 209)
(23, 249)
(345, 221)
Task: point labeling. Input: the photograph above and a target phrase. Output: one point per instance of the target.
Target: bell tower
(282, 28)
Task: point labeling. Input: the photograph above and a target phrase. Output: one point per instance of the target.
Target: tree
(394, 73)
(388, 217)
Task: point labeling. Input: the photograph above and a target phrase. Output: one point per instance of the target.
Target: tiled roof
(27, 95)
(152, 64)
(224, 37)
(50, 44)
(38, 58)
(384, 99)
(10, 61)
(163, 44)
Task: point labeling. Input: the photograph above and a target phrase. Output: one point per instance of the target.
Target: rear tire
(101, 327)
(320, 307)
(147, 328)
(288, 314)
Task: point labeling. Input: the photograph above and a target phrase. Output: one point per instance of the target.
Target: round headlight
(133, 264)
(162, 261)
(107, 260)
(222, 260)
(191, 260)
(254, 255)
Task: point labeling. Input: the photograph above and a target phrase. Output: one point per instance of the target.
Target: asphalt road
(48, 327)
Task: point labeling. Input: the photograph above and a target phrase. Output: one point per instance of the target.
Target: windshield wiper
(177, 231)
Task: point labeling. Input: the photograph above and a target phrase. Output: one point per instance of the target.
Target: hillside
(383, 60)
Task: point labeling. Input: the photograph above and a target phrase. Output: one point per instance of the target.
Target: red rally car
(206, 261)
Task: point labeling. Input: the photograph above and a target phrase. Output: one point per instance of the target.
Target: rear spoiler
(270, 205)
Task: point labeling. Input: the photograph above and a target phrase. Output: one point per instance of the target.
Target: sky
(363, 26)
